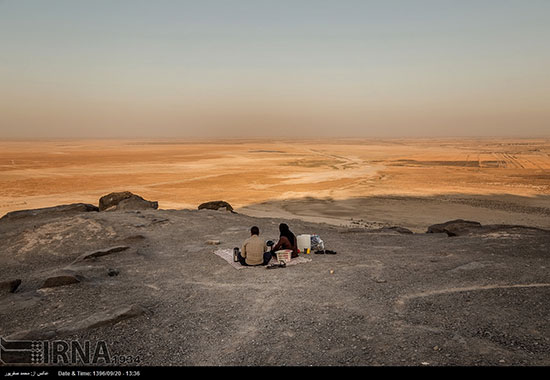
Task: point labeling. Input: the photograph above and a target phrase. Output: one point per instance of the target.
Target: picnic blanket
(227, 255)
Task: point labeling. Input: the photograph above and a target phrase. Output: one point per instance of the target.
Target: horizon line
(274, 138)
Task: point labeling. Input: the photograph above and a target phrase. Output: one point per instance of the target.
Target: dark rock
(113, 199)
(125, 200)
(112, 272)
(100, 252)
(215, 205)
(136, 203)
(9, 286)
(62, 210)
(159, 220)
(61, 280)
(397, 229)
(456, 227)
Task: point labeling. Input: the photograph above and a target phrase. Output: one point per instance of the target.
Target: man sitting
(254, 250)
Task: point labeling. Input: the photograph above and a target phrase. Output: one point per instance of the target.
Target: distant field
(183, 174)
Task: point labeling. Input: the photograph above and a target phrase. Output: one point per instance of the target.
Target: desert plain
(407, 182)
(148, 283)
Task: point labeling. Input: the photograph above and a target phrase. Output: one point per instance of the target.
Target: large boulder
(456, 227)
(125, 200)
(62, 210)
(113, 199)
(136, 203)
(216, 205)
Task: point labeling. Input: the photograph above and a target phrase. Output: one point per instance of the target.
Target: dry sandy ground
(412, 183)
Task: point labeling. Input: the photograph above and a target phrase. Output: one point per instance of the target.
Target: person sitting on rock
(254, 250)
(287, 240)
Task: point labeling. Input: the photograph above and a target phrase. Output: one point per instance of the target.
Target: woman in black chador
(287, 240)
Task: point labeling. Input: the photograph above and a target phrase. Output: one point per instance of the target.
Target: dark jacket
(284, 243)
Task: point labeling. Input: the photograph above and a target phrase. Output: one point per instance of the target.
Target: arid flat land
(148, 283)
(408, 182)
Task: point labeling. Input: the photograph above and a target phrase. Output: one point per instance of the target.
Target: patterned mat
(227, 255)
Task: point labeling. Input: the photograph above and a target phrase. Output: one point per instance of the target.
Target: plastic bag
(316, 243)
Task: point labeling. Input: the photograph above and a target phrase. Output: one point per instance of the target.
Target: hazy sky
(121, 68)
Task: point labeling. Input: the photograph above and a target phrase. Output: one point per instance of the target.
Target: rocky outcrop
(456, 227)
(109, 317)
(169, 269)
(9, 286)
(113, 199)
(397, 229)
(216, 205)
(100, 252)
(461, 227)
(62, 279)
(125, 200)
(133, 239)
(61, 328)
(136, 203)
(62, 210)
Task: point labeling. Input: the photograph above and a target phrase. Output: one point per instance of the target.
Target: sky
(256, 68)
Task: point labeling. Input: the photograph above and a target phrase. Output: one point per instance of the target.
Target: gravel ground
(385, 298)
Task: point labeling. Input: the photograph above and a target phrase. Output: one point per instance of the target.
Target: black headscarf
(285, 231)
